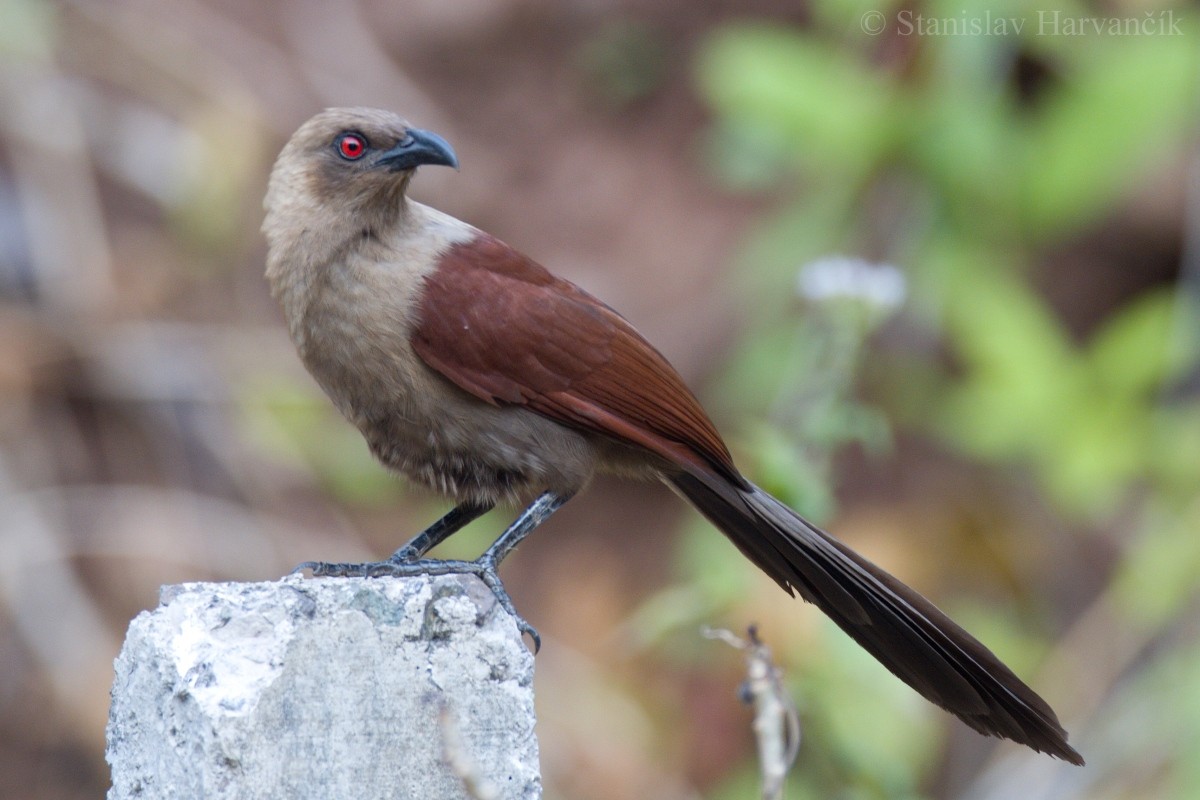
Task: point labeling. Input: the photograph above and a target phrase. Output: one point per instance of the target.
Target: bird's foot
(403, 564)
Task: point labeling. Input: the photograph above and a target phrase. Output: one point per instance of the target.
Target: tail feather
(904, 631)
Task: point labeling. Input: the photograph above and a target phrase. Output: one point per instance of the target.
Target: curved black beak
(416, 148)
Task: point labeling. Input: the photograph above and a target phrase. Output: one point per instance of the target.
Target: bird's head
(352, 162)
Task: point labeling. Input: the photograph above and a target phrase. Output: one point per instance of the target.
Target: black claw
(487, 573)
(532, 633)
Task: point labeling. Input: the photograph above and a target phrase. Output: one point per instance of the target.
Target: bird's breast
(355, 339)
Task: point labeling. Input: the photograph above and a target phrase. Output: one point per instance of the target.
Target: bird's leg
(453, 521)
(407, 560)
(438, 532)
(537, 513)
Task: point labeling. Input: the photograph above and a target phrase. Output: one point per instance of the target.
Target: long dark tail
(906, 632)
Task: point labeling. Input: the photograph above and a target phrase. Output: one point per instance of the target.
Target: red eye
(351, 146)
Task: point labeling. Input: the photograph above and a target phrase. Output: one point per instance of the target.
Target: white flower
(841, 277)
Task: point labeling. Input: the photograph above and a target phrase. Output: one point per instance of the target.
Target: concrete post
(324, 688)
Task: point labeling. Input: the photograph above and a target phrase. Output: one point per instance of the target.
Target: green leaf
(29, 30)
(712, 565)
(1096, 450)
(1174, 459)
(294, 423)
(1023, 379)
(1129, 102)
(1144, 345)
(1160, 574)
(833, 111)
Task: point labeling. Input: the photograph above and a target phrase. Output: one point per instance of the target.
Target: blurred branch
(336, 48)
(193, 46)
(44, 132)
(776, 721)
(50, 605)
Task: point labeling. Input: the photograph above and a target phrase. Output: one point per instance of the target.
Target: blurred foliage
(1107, 430)
(291, 424)
(155, 424)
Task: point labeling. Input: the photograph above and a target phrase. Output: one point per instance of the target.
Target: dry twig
(776, 721)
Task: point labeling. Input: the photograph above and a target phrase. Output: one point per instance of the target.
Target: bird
(472, 370)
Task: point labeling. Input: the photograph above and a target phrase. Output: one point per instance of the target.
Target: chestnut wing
(503, 328)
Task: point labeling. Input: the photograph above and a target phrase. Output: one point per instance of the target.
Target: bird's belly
(435, 434)
(468, 449)
(421, 425)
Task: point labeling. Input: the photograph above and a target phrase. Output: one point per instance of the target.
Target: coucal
(471, 369)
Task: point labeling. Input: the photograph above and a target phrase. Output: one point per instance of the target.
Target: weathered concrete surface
(324, 688)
